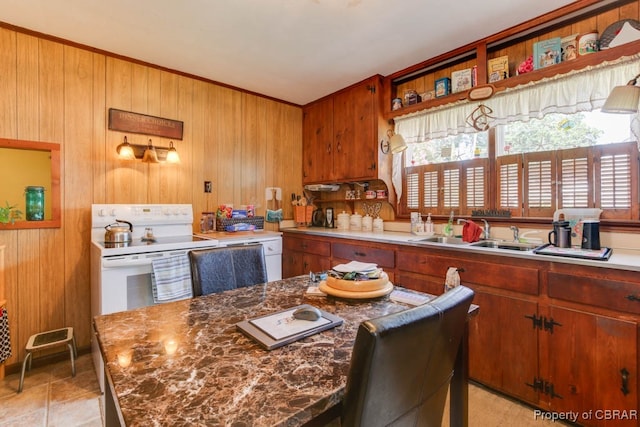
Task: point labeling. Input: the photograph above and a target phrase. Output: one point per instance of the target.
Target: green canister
(34, 199)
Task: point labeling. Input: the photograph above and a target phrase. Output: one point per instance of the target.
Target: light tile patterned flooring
(52, 397)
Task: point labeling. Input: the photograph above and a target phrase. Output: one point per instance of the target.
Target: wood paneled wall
(55, 92)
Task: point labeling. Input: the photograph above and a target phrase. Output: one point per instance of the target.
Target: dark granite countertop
(185, 363)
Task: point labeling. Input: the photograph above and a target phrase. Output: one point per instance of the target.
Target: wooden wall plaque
(126, 121)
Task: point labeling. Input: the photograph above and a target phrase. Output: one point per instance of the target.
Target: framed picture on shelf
(498, 68)
(569, 47)
(547, 52)
(588, 43)
(443, 87)
(461, 80)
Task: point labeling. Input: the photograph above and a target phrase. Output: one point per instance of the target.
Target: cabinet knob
(633, 298)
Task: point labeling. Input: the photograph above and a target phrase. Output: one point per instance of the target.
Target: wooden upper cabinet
(317, 141)
(340, 135)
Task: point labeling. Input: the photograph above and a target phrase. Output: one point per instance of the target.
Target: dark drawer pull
(633, 298)
(360, 254)
(625, 381)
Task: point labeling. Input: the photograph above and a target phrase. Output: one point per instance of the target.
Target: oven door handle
(118, 262)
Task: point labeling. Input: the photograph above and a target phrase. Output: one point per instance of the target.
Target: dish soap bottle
(448, 229)
(428, 225)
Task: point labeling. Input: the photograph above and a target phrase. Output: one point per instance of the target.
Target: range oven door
(125, 281)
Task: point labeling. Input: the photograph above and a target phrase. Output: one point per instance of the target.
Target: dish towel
(471, 231)
(171, 279)
(5, 339)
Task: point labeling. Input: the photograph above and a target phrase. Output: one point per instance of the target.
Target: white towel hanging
(171, 279)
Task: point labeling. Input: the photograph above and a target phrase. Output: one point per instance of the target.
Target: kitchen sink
(443, 239)
(513, 246)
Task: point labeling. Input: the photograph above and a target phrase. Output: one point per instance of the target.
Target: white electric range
(121, 272)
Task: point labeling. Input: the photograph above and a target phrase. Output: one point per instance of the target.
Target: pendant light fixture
(623, 99)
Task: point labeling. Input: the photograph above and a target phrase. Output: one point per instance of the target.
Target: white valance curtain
(581, 90)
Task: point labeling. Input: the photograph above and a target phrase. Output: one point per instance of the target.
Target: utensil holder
(303, 215)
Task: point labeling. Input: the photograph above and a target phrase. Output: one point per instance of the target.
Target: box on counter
(461, 80)
(498, 68)
(443, 87)
(547, 52)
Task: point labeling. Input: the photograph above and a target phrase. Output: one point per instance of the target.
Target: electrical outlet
(208, 187)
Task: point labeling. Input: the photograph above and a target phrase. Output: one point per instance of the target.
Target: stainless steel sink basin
(513, 246)
(444, 239)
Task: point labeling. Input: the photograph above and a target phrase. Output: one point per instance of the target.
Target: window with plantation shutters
(439, 188)
(575, 185)
(616, 172)
(540, 184)
(411, 190)
(530, 169)
(509, 168)
(451, 188)
(430, 189)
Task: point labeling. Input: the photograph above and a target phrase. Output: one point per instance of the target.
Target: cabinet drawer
(599, 292)
(306, 245)
(515, 278)
(382, 257)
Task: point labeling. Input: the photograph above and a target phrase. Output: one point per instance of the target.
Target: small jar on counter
(367, 223)
(378, 225)
(343, 221)
(355, 222)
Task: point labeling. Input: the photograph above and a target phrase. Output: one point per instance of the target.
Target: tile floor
(52, 397)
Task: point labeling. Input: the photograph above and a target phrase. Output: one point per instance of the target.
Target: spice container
(34, 200)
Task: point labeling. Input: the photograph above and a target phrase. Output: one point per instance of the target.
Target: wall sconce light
(125, 150)
(623, 99)
(395, 144)
(148, 153)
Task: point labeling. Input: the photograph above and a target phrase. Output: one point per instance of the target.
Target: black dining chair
(402, 364)
(219, 269)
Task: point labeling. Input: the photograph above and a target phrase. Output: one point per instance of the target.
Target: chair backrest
(219, 269)
(402, 364)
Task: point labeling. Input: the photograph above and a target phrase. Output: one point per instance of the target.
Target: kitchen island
(185, 363)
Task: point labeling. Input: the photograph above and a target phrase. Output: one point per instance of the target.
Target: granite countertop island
(185, 363)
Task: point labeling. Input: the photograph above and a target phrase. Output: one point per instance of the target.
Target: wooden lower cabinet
(561, 337)
(503, 345)
(589, 365)
(303, 255)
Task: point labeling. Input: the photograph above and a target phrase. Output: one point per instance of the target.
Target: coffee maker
(591, 234)
(560, 236)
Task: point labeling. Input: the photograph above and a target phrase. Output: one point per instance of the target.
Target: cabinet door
(355, 132)
(315, 263)
(592, 363)
(292, 263)
(317, 142)
(503, 345)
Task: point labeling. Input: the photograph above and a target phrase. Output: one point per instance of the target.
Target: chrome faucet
(486, 229)
(516, 233)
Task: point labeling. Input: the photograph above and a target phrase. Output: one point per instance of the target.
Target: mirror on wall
(30, 164)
